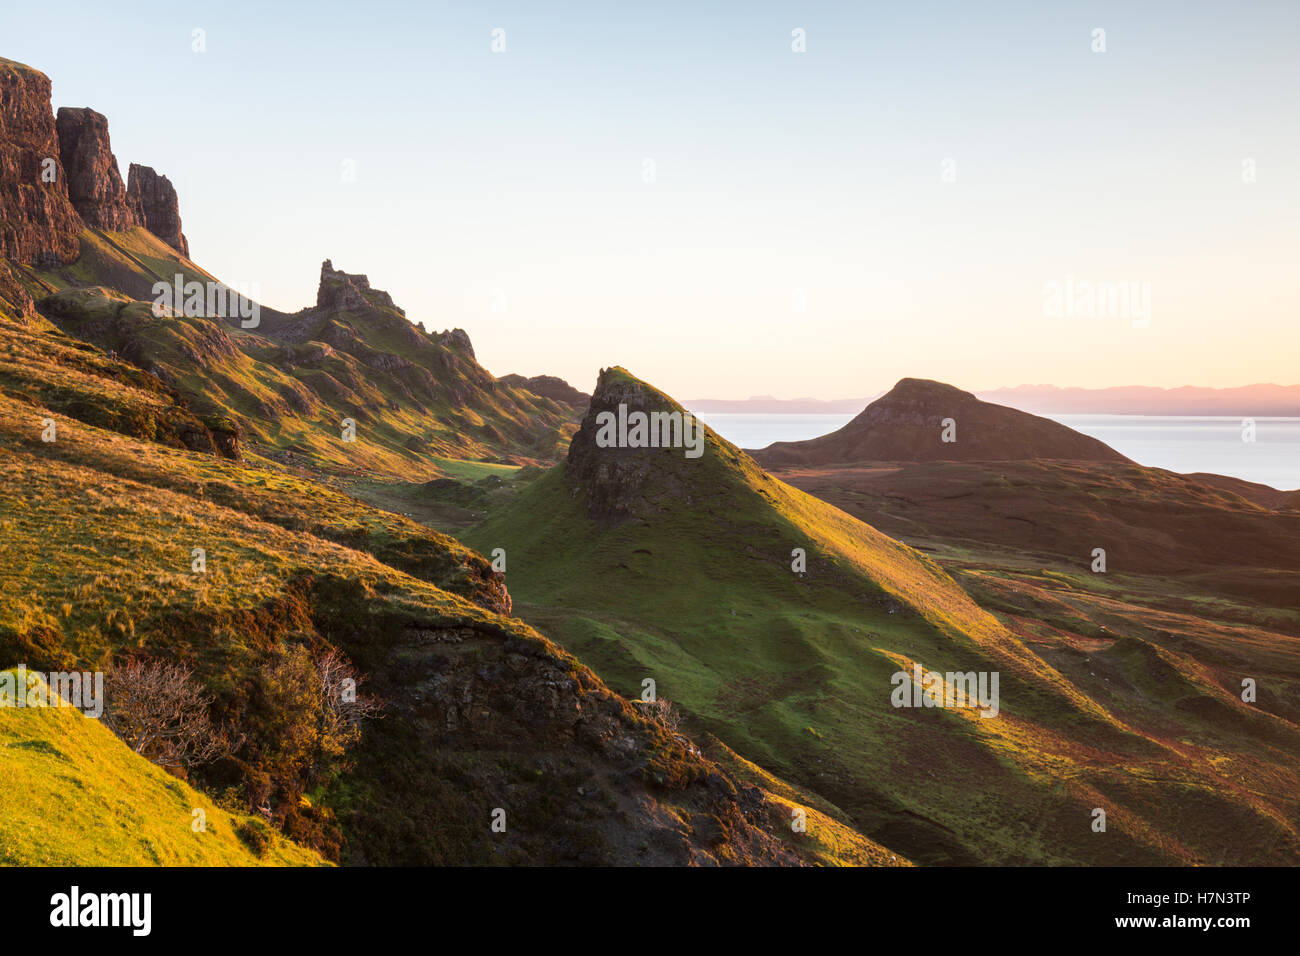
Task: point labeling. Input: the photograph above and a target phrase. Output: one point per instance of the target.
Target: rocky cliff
(94, 184)
(37, 222)
(156, 205)
(627, 482)
(15, 301)
(59, 175)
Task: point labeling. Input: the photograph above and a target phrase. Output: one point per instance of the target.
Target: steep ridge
(481, 713)
(349, 385)
(921, 420)
(288, 383)
(552, 387)
(684, 571)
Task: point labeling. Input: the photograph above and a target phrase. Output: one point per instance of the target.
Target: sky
(936, 190)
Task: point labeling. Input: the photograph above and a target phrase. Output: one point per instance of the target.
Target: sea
(1178, 443)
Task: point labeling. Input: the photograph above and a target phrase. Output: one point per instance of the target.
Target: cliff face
(37, 222)
(154, 201)
(94, 184)
(58, 176)
(15, 301)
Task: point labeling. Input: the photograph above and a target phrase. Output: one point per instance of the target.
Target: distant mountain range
(1262, 401)
(1250, 400)
(767, 405)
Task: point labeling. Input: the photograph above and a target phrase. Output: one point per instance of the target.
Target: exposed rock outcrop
(94, 184)
(627, 483)
(341, 290)
(15, 301)
(458, 339)
(37, 221)
(155, 203)
(59, 175)
(591, 778)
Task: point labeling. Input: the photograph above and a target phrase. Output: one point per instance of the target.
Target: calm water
(1178, 443)
(1201, 444)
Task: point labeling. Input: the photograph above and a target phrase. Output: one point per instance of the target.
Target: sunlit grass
(75, 795)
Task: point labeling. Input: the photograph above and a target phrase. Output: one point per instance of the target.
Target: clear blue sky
(798, 237)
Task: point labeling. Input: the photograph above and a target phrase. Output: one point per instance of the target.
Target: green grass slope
(75, 795)
(289, 382)
(647, 564)
(481, 711)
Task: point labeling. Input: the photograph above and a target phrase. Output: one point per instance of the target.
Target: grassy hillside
(287, 384)
(42, 367)
(481, 711)
(650, 565)
(75, 795)
(1181, 533)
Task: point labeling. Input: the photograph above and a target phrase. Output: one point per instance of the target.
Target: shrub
(161, 712)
